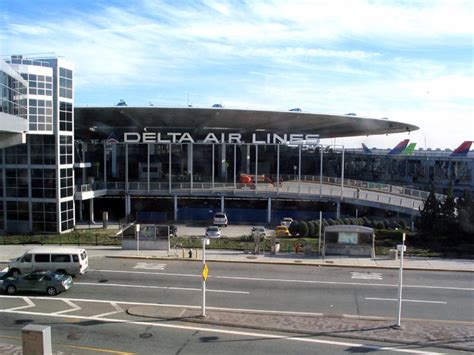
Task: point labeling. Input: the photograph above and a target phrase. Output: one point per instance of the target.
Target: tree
(447, 224)
(427, 221)
(465, 214)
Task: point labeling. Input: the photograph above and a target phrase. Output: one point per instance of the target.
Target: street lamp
(401, 248)
(137, 235)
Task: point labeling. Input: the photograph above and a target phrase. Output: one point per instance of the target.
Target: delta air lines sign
(218, 138)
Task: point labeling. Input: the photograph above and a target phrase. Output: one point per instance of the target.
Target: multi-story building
(37, 173)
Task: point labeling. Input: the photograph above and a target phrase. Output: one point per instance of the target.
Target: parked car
(259, 231)
(286, 221)
(220, 219)
(282, 231)
(40, 281)
(71, 261)
(213, 232)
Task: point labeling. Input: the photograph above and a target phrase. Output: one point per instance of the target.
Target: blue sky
(410, 61)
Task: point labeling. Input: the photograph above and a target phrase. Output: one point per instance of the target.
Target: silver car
(213, 232)
(40, 281)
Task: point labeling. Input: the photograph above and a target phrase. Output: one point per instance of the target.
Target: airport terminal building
(60, 165)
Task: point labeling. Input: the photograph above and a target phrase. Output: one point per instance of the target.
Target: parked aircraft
(399, 148)
(462, 150)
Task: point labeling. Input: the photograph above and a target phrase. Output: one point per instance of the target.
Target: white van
(71, 261)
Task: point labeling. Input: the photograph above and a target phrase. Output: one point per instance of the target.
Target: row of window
(65, 116)
(55, 258)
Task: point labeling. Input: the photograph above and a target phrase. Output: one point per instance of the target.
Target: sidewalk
(414, 334)
(8, 252)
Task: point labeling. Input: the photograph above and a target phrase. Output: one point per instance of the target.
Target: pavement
(414, 333)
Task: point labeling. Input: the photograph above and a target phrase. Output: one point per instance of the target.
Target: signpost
(205, 271)
(137, 232)
(401, 248)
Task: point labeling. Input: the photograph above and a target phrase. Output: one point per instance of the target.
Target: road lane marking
(150, 266)
(288, 280)
(404, 300)
(239, 333)
(74, 306)
(117, 308)
(366, 275)
(160, 287)
(29, 304)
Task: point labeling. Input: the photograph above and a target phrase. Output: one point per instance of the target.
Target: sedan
(213, 232)
(40, 281)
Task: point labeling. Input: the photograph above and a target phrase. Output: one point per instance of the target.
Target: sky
(408, 61)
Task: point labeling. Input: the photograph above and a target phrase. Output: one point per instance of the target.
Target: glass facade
(37, 190)
(12, 96)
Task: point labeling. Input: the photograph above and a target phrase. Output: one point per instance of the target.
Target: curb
(286, 263)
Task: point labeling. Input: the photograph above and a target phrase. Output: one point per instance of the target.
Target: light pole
(401, 248)
(137, 233)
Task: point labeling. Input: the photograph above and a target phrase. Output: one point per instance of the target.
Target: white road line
(159, 287)
(117, 308)
(366, 275)
(236, 332)
(150, 266)
(404, 300)
(288, 280)
(27, 300)
(74, 306)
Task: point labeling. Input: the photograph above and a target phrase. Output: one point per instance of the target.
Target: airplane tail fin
(463, 149)
(399, 147)
(409, 149)
(366, 149)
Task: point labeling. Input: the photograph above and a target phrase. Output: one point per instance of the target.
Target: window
(42, 258)
(75, 258)
(26, 258)
(61, 258)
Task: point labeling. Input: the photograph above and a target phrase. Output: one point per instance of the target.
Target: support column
(223, 163)
(235, 166)
(105, 164)
(190, 154)
(222, 204)
(338, 210)
(212, 166)
(113, 148)
(91, 210)
(269, 210)
(299, 168)
(256, 167)
(247, 160)
(278, 169)
(126, 168)
(148, 167)
(128, 205)
(321, 175)
(80, 210)
(175, 208)
(169, 168)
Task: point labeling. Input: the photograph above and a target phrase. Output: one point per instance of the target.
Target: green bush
(303, 229)
(293, 228)
(312, 229)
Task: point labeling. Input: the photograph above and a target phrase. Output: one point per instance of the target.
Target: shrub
(312, 229)
(293, 228)
(303, 229)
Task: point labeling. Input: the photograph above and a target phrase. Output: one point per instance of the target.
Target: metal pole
(320, 228)
(278, 168)
(203, 307)
(105, 164)
(321, 175)
(191, 150)
(342, 174)
(400, 281)
(137, 232)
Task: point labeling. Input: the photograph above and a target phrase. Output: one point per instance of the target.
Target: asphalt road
(112, 285)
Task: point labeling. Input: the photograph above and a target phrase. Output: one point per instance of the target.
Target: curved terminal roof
(98, 122)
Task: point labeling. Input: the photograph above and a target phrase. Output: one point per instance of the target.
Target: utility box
(36, 339)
